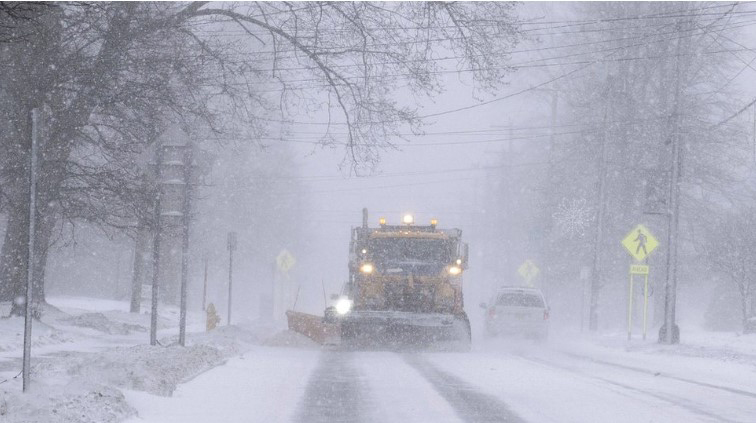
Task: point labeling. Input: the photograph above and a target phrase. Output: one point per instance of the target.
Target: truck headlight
(343, 306)
(455, 270)
(366, 268)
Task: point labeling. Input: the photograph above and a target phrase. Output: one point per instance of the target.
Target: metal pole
(582, 305)
(185, 240)
(30, 260)
(630, 309)
(204, 288)
(645, 306)
(156, 246)
(230, 280)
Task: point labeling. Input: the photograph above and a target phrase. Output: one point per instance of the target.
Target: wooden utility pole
(600, 208)
(670, 285)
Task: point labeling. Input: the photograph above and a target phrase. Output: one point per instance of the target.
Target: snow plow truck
(404, 286)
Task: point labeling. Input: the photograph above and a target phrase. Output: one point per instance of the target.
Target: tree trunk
(141, 254)
(13, 256)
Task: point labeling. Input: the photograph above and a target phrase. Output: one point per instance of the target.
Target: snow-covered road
(530, 383)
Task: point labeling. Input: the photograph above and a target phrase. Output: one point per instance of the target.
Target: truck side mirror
(465, 255)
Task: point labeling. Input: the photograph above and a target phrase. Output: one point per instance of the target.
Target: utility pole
(186, 220)
(156, 243)
(669, 332)
(231, 247)
(26, 370)
(599, 239)
(600, 208)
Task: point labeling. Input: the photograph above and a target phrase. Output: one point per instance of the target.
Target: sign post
(231, 244)
(640, 243)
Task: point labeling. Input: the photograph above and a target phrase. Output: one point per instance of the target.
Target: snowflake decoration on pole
(572, 218)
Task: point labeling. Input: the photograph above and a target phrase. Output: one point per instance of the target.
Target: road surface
(532, 384)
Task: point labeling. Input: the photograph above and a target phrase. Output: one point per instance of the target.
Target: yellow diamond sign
(640, 242)
(285, 261)
(528, 270)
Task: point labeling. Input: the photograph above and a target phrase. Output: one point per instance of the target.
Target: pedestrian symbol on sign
(640, 242)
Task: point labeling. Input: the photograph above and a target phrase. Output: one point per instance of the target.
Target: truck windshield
(402, 252)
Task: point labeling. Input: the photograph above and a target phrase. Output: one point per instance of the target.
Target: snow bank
(82, 359)
(100, 323)
(67, 404)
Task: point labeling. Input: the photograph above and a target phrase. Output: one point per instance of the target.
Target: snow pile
(89, 356)
(100, 404)
(148, 368)
(100, 323)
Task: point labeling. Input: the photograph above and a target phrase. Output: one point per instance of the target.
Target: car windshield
(518, 299)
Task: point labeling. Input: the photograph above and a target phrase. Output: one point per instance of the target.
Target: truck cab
(405, 281)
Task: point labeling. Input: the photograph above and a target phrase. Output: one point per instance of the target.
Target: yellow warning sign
(285, 261)
(528, 270)
(640, 242)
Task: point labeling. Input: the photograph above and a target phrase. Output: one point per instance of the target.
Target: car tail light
(546, 315)
(491, 313)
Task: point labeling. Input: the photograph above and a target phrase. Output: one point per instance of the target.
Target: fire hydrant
(212, 317)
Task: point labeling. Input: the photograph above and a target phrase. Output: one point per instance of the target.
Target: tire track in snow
(684, 403)
(660, 374)
(335, 392)
(469, 404)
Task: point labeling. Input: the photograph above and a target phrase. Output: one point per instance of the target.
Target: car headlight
(455, 270)
(366, 268)
(343, 306)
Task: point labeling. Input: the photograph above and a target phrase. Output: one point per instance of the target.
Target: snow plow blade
(313, 327)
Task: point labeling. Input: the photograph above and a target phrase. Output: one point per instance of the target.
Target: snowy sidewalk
(263, 385)
(86, 351)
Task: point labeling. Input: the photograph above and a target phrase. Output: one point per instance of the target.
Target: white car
(518, 311)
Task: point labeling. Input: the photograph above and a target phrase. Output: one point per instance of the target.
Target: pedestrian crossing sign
(640, 242)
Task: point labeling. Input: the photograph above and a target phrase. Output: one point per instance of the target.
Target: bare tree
(730, 247)
(111, 74)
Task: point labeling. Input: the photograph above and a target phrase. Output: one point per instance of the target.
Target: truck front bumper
(397, 318)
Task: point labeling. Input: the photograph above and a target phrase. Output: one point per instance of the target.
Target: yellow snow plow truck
(405, 286)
